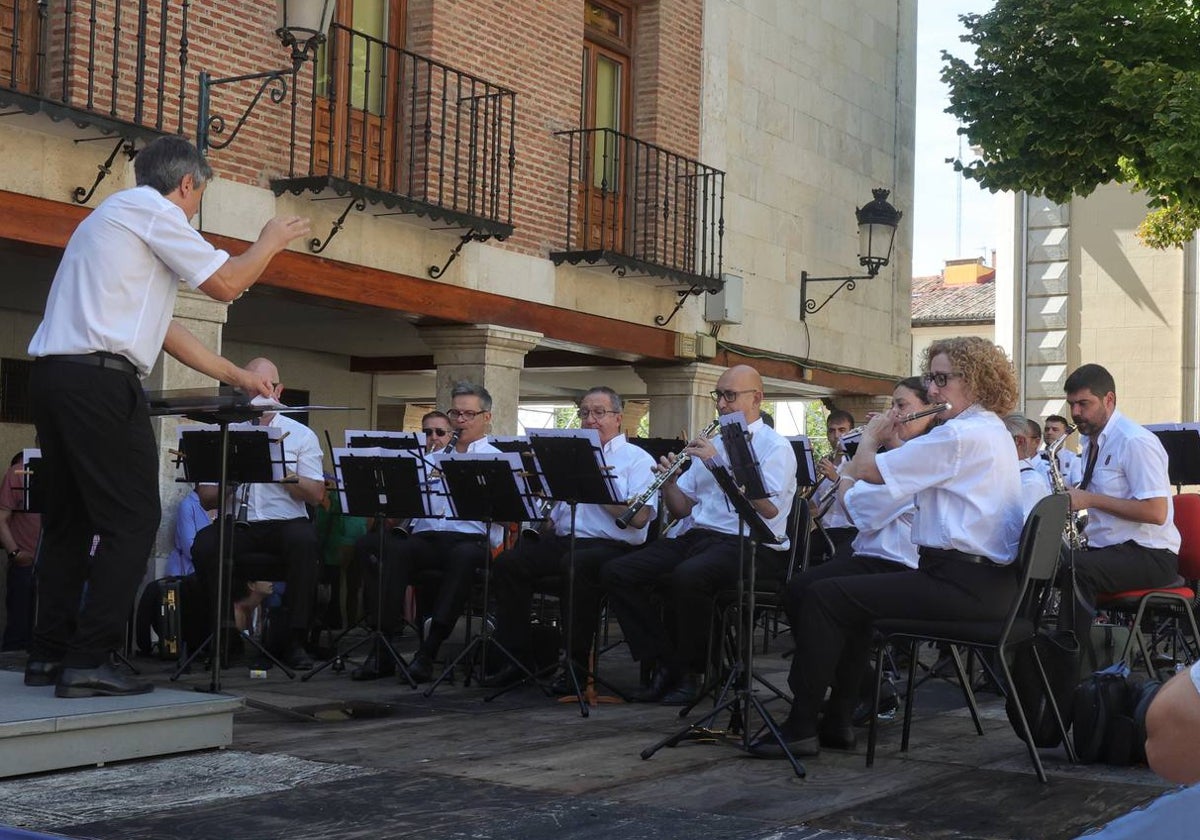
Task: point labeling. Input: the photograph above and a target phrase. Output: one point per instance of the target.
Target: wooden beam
(841, 383)
(533, 360)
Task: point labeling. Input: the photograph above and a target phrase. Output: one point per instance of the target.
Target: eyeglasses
(729, 396)
(459, 414)
(598, 413)
(436, 432)
(940, 379)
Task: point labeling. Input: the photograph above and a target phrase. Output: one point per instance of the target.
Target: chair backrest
(1038, 553)
(1187, 521)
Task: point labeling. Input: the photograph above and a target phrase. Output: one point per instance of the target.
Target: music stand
(1182, 442)
(572, 464)
(246, 456)
(384, 483)
(744, 699)
(484, 487)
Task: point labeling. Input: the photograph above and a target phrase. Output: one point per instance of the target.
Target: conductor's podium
(41, 732)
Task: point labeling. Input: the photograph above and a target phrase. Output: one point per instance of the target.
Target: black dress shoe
(104, 681)
(42, 671)
(509, 674)
(374, 667)
(421, 668)
(661, 684)
(837, 737)
(685, 693)
(297, 658)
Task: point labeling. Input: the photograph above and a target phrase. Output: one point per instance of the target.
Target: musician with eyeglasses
(452, 548)
(435, 425)
(964, 478)
(519, 572)
(1132, 541)
(704, 560)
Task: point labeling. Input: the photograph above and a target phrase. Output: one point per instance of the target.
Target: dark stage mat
(992, 805)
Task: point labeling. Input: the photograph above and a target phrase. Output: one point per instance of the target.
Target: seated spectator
(1173, 728)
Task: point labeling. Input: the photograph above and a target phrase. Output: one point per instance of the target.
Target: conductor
(107, 317)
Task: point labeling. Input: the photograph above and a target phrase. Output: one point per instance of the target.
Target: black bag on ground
(1059, 653)
(170, 613)
(1110, 717)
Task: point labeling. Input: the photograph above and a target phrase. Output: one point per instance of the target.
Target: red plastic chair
(1173, 602)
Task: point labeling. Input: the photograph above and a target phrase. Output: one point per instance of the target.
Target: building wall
(922, 337)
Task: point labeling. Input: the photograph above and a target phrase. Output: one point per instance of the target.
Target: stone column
(679, 397)
(486, 355)
(632, 416)
(204, 318)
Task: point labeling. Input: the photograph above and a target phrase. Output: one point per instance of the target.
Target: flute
(854, 434)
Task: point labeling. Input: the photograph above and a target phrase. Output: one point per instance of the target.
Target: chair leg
(1029, 745)
(965, 682)
(873, 725)
(910, 699)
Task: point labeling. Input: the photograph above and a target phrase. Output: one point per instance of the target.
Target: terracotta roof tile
(933, 302)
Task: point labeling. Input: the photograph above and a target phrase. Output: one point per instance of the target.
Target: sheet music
(512, 459)
(806, 465)
(381, 452)
(395, 440)
(280, 466)
(592, 436)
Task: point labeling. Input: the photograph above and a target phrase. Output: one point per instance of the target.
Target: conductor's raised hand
(281, 230)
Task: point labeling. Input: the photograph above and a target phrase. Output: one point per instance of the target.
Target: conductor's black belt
(100, 359)
(957, 556)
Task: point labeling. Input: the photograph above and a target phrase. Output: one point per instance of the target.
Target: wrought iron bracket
(83, 196)
(316, 245)
(808, 306)
(208, 124)
(683, 296)
(471, 235)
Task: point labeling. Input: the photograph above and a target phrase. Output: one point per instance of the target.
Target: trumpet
(663, 477)
(402, 528)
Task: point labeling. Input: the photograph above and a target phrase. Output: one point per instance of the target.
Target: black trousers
(1114, 568)
(455, 556)
(366, 558)
(694, 567)
(542, 566)
(856, 655)
(99, 477)
(837, 614)
(293, 541)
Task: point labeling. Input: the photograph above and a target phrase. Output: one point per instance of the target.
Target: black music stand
(385, 484)
(574, 471)
(484, 488)
(742, 483)
(1183, 453)
(227, 457)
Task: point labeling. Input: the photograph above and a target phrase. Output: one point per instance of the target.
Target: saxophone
(1072, 533)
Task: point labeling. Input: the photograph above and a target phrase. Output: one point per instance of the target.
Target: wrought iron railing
(642, 208)
(114, 64)
(438, 141)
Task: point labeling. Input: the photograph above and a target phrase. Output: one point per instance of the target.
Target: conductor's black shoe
(297, 658)
(374, 667)
(837, 737)
(103, 681)
(662, 683)
(421, 668)
(686, 692)
(508, 674)
(42, 671)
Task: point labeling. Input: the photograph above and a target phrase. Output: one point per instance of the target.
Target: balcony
(414, 136)
(642, 210)
(116, 68)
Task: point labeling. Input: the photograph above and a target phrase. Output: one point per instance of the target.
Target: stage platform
(40, 732)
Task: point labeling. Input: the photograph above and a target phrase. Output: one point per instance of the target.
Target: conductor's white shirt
(777, 462)
(966, 482)
(633, 469)
(115, 287)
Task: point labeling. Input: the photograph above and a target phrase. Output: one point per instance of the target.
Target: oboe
(663, 477)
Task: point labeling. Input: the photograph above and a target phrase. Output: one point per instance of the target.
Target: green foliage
(1065, 96)
(814, 424)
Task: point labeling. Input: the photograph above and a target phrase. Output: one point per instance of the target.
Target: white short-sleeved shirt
(115, 287)
(884, 523)
(1130, 464)
(441, 506)
(1035, 486)
(836, 516)
(633, 469)
(966, 483)
(302, 454)
(776, 460)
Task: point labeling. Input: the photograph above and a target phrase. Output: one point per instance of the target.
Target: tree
(1065, 95)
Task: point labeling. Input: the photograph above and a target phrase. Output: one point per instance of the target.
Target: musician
(704, 560)
(883, 545)
(1035, 486)
(518, 572)
(965, 480)
(271, 517)
(1054, 429)
(435, 425)
(835, 520)
(452, 547)
(1132, 542)
(107, 317)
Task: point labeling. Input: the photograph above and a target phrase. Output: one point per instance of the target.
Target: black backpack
(1059, 653)
(1109, 717)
